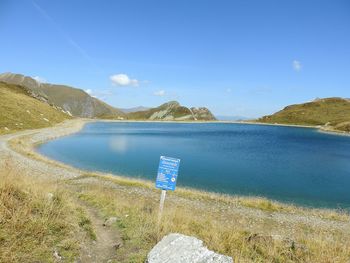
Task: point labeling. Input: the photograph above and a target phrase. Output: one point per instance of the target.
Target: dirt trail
(108, 240)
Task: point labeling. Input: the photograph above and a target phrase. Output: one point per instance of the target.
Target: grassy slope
(14, 107)
(334, 111)
(37, 219)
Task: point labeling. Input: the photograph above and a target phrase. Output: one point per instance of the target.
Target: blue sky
(247, 58)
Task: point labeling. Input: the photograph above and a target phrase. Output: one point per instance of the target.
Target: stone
(178, 248)
(110, 221)
(57, 256)
(50, 196)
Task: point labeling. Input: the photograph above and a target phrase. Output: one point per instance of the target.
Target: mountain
(75, 101)
(332, 113)
(135, 109)
(173, 111)
(231, 118)
(19, 110)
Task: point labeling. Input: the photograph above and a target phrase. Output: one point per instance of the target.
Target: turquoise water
(288, 164)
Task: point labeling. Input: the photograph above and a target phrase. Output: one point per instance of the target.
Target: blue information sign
(167, 173)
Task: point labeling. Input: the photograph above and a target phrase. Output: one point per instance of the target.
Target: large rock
(202, 114)
(179, 248)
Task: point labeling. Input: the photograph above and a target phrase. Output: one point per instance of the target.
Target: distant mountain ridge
(135, 109)
(78, 103)
(75, 101)
(231, 118)
(331, 113)
(173, 111)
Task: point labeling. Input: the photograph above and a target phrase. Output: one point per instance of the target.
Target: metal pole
(161, 205)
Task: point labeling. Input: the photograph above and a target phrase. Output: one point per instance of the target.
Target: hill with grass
(20, 110)
(173, 111)
(330, 113)
(75, 101)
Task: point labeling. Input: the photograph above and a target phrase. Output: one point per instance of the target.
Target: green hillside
(20, 111)
(330, 112)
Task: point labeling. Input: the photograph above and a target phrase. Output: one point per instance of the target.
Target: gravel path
(41, 166)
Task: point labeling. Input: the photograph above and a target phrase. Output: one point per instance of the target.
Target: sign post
(166, 178)
(161, 205)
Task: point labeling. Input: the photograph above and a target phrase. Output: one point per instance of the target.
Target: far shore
(213, 121)
(319, 128)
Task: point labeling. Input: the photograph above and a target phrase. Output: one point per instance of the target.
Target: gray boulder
(179, 248)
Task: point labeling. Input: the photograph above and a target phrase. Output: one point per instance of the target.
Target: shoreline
(333, 132)
(29, 140)
(318, 128)
(203, 122)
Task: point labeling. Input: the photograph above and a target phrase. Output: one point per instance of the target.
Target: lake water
(298, 165)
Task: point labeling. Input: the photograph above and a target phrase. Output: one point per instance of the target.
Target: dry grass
(37, 218)
(19, 111)
(213, 219)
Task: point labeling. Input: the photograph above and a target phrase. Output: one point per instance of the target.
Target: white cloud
(159, 93)
(91, 93)
(123, 80)
(39, 79)
(99, 94)
(297, 65)
(88, 91)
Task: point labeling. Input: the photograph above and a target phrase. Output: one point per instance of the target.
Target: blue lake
(297, 165)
